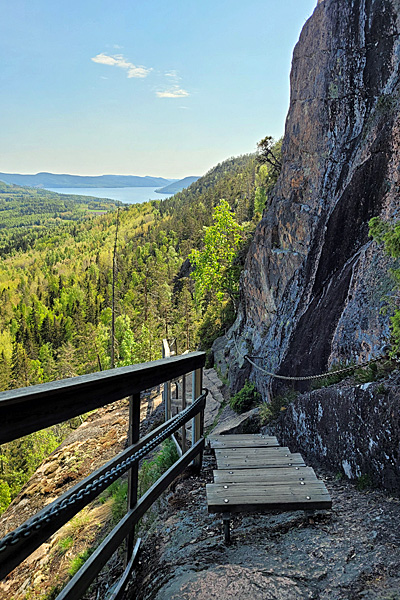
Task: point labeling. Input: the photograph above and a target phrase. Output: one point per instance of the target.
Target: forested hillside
(26, 212)
(56, 297)
(55, 180)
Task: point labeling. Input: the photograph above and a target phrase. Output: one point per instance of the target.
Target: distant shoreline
(126, 195)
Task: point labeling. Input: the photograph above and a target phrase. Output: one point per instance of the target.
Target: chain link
(29, 527)
(304, 377)
(310, 377)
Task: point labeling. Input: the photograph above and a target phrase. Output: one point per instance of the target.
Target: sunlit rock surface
(314, 283)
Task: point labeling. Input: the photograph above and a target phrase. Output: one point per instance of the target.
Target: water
(127, 195)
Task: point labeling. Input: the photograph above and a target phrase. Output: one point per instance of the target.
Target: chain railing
(349, 369)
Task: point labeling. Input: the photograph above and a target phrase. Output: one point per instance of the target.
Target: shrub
(151, 470)
(65, 544)
(247, 397)
(78, 561)
(269, 411)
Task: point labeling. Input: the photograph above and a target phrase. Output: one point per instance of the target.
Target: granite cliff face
(314, 283)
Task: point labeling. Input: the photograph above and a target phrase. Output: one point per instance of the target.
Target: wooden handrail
(25, 410)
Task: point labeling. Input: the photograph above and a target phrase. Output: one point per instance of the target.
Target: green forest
(27, 212)
(56, 287)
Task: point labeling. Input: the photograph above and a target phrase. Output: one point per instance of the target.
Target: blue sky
(151, 87)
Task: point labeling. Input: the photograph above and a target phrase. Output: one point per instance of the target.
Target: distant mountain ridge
(80, 181)
(178, 186)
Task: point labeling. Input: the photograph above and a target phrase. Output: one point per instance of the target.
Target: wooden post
(198, 421)
(133, 437)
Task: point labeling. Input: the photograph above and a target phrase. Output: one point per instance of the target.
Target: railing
(26, 410)
(169, 350)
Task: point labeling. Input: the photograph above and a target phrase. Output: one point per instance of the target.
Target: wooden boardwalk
(254, 473)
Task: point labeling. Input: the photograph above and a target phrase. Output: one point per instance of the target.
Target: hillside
(178, 186)
(54, 180)
(56, 288)
(25, 213)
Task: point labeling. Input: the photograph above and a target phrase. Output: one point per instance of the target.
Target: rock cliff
(314, 283)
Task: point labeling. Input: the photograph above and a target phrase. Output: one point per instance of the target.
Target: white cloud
(173, 92)
(173, 74)
(118, 60)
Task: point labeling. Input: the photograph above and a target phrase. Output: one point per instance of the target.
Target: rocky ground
(351, 552)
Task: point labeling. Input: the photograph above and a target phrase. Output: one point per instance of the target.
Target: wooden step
(238, 497)
(248, 452)
(265, 476)
(262, 460)
(242, 440)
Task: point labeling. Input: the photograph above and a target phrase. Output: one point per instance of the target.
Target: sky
(142, 87)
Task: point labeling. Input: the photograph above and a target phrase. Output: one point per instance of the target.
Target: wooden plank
(270, 443)
(237, 436)
(25, 410)
(238, 497)
(249, 452)
(257, 462)
(270, 476)
(242, 490)
(232, 441)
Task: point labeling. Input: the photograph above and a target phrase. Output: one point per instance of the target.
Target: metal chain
(305, 377)
(32, 525)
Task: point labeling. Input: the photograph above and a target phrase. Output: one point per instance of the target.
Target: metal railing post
(167, 385)
(198, 421)
(183, 430)
(133, 437)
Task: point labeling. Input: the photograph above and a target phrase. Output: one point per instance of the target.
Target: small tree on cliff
(214, 268)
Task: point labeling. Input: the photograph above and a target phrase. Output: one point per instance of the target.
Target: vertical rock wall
(350, 429)
(314, 283)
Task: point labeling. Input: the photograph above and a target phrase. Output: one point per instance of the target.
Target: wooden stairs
(254, 473)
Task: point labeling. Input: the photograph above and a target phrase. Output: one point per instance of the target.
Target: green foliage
(151, 470)
(246, 398)
(65, 544)
(381, 390)
(79, 561)
(56, 283)
(213, 265)
(20, 458)
(40, 209)
(363, 482)
(216, 320)
(375, 371)
(118, 492)
(270, 153)
(52, 593)
(388, 234)
(269, 411)
(334, 376)
(5, 495)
